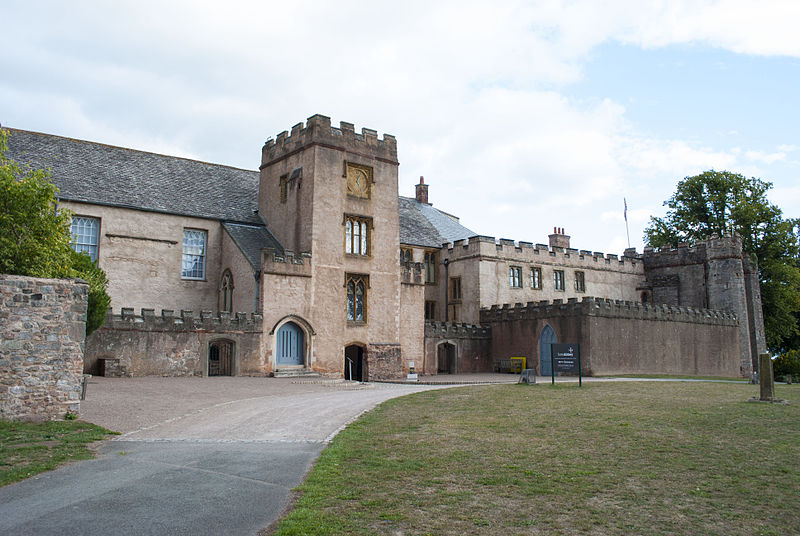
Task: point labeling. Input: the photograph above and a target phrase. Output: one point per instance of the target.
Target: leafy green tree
(35, 237)
(717, 202)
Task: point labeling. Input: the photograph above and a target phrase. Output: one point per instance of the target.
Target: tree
(718, 202)
(35, 236)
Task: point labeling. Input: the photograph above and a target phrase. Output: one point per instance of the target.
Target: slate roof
(423, 225)
(101, 174)
(251, 239)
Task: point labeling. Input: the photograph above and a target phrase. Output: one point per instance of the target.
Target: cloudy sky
(522, 116)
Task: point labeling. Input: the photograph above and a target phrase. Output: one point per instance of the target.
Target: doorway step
(295, 372)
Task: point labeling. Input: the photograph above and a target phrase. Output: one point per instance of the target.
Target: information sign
(566, 357)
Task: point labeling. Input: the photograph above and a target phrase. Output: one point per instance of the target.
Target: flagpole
(625, 201)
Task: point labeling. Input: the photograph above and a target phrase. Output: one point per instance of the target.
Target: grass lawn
(608, 458)
(27, 449)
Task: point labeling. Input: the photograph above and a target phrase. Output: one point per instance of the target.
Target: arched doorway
(446, 359)
(220, 358)
(290, 345)
(547, 338)
(354, 363)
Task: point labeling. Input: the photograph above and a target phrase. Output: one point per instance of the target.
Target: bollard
(765, 375)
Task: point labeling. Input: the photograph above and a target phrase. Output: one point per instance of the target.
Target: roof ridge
(110, 146)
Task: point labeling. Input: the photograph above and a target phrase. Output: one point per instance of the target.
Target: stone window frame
(515, 276)
(559, 280)
(430, 310)
(226, 287)
(536, 278)
(455, 289)
(431, 265)
(283, 185)
(406, 257)
(193, 259)
(355, 285)
(85, 233)
(357, 244)
(580, 281)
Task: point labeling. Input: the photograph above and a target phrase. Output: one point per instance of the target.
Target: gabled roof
(107, 175)
(251, 239)
(423, 225)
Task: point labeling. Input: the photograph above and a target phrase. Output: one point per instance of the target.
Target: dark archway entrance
(547, 338)
(220, 358)
(446, 359)
(354, 363)
(291, 345)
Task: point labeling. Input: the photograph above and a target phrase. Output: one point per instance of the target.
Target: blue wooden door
(290, 344)
(547, 338)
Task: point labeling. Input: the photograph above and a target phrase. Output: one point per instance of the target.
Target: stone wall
(42, 330)
(173, 345)
(384, 362)
(619, 337)
(472, 347)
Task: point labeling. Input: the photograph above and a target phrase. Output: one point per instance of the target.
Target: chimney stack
(422, 191)
(558, 240)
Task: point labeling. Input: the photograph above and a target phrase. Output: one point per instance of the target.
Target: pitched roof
(251, 239)
(101, 174)
(423, 225)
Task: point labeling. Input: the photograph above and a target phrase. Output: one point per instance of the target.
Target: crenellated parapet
(455, 330)
(411, 273)
(285, 263)
(182, 321)
(488, 247)
(716, 247)
(318, 131)
(590, 306)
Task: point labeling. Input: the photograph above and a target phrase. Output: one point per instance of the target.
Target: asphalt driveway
(199, 456)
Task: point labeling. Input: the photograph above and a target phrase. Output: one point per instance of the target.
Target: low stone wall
(472, 352)
(618, 337)
(173, 345)
(42, 331)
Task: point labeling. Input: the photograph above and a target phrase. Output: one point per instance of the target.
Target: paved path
(197, 456)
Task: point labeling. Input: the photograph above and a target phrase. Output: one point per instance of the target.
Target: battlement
(591, 306)
(318, 131)
(529, 253)
(716, 247)
(185, 320)
(411, 273)
(285, 263)
(455, 330)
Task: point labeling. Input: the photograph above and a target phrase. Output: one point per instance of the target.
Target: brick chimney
(558, 240)
(422, 191)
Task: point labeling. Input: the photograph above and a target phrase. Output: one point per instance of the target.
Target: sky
(521, 116)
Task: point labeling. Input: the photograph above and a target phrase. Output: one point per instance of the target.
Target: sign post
(566, 357)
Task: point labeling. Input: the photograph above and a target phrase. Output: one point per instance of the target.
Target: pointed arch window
(356, 286)
(226, 292)
(356, 235)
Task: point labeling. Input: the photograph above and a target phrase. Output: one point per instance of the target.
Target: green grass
(27, 449)
(608, 458)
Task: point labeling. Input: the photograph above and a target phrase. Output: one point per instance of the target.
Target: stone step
(293, 373)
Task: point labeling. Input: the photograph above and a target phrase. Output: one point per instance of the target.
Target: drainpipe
(446, 290)
(255, 296)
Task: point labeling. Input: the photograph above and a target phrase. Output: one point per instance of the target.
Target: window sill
(356, 323)
(357, 256)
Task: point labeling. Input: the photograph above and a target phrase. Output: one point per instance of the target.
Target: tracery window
(580, 282)
(405, 257)
(356, 235)
(515, 276)
(430, 266)
(357, 285)
(226, 292)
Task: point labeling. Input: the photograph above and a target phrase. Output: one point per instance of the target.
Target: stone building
(314, 264)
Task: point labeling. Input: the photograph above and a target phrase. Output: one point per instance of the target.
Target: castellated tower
(714, 274)
(329, 195)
